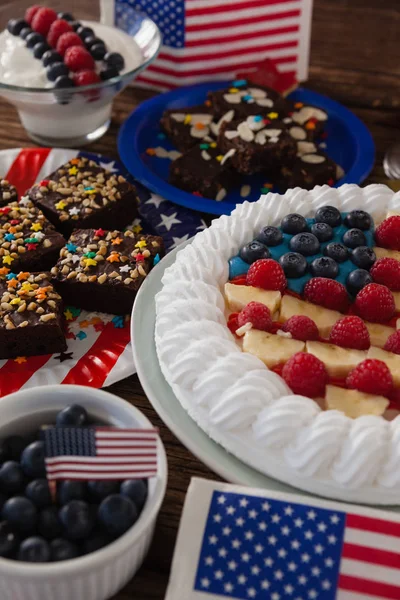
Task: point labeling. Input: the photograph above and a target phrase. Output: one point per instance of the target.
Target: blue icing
(238, 267)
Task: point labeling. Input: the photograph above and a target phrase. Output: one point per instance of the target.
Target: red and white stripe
(370, 564)
(121, 454)
(103, 357)
(223, 37)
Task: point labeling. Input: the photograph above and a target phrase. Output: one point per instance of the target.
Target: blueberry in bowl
(91, 530)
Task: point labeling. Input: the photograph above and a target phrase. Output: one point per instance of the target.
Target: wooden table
(355, 59)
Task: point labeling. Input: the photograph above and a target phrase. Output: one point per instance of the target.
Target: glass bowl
(73, 117)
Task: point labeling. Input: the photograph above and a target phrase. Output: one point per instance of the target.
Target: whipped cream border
(235, 398)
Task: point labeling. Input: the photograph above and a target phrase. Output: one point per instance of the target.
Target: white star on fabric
(245, 557)
(251, 592)
(232, 565)
(282, 553)
(109, 166)
(278, 575)
(236, 544)
(258, 548)
(312, 514)
(329, 562)
(169, 221)
(289, 511)
(295, 544)
(266, 506)
(262, 526)
(316, 571)
(313, 594)
(74, 210)
(308, 535)
(268, 562)
(265, 584)
(177, 241)
(285, 530)
(213, 539)
(221, 499)
(249, 535)
(292, 566)
(275, 596)
(230, 510)
(209, 561)
(200, 228)
(217, 518)
(298, 523)
(226, 531)
(289, 589)
(228, 587)
(240, 522)
(275, 518)
(253, 514)
(255, 570)
(222, 552)
(125, 269)
(326, 584)
(218, 574)
(243, 502)
(322, 527)
(305, 557)
(335, 519)
(205, 582)
(272, 540)
(242, 579)
(332, 539)
(302, 580)
(318, 549)
(155, 200)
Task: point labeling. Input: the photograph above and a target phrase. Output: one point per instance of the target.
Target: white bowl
(99, 575)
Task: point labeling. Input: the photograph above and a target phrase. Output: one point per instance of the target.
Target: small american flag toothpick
(102, 453)
(244, 543)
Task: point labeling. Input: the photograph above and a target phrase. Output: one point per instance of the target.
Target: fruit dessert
(103, 270)
(84, 517)
(28, 241)
(81, 194)
(318, 307)
(46, 49)
(31, 315)
(260, 131)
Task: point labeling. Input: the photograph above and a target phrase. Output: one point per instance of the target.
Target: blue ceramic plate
(348, 142)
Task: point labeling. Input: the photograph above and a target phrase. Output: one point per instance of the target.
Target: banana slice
(238, 296)
(338, 361)
(353, 403)
(270, 348)
(322, 317)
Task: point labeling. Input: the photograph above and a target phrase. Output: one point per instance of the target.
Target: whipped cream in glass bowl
(73, 116)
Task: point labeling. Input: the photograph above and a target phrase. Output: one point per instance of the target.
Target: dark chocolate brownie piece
(103, 270)
(80, 194)
(310, 170)
(257, 144)
(31, 315)
(311, 118)
(28, 241)
(247, 98)
(186, 127)
(8, 192)
(204, 171)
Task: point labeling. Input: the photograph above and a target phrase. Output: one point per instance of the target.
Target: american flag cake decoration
(211, 40)
(101, 453)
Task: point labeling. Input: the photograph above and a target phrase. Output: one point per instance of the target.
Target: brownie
(31, 315)
(82, 195)
(186, 127)
(310, 170)
(257, 144)
(311, 118)
(246, 98)
(8, 192)
(204, 171)
(103, 270)
(28, 241)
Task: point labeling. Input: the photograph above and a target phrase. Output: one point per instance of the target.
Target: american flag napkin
(102, 453)
(206, 40)
(245, 543)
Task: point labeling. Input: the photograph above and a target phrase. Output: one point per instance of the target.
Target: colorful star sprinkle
(89, 255)
(125, 269)
(118, 322)
(74, 161)
(20, 359)
(68, 315)
(139, 257)
(5, 210)
(4, 271)
(71, 247)
(89, 262)
(187, 119)
(72, 171)
(137, 228)
(113, 257)
(44, 182)
(31, 246)
(239, 83)
(273, 115)
(84, 324)
(12, 283)
(7, 260)
(74, 311)
(60, 205)
(117, 241)
(99, 232)
(11, 276)
(156, 259)
(141, 244)
(15, 301)
(9, 237)
(22, 276)
(36, 227)
(81, 335)
(90, 190)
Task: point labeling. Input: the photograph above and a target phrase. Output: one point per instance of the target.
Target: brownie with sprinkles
(246, 98)
(31, 315)
(186, 127)
(81, 195)
(258, 143)
(28, 241)
(8, 192)
(204, 171)
(311, 118)
(102, 270)
(310, 170)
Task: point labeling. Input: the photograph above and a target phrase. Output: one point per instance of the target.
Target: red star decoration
(31, 246)
(44, 182)
(99, 326)
(139, 257)
(5, 210)
(70, 336)
(14, 222)
(99, 232)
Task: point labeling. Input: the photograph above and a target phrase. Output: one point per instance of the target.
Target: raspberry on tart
(267, 274)
(393, 343)
(326, 292)
(301, 328)
(350, 332)
(386, 271)
(306, 375)
(387, 234)
(42, 20)
(375, 303)
(233, 323)
(257, 314)
(371, 376)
